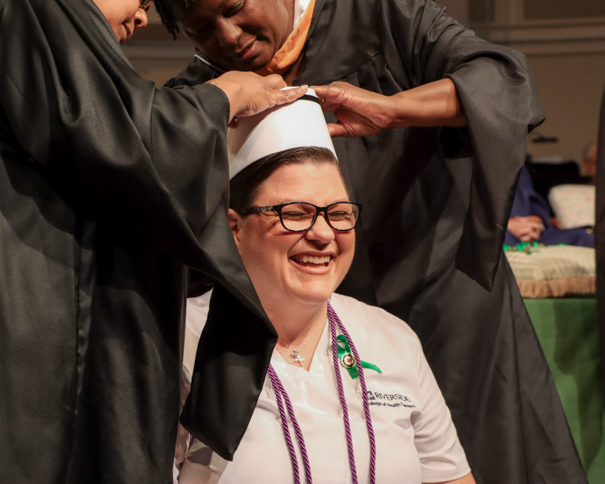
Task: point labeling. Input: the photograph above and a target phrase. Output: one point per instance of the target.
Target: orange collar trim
(289, 53)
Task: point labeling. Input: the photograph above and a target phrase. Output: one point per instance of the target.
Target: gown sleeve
(497, 94)
(151, 162)
(112, 143)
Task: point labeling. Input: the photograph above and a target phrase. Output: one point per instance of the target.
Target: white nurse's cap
(298, 124)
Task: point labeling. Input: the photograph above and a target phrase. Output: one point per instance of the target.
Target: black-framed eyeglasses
(145, 4)
(300, 216)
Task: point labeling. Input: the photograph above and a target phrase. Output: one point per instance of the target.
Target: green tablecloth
(568, 332)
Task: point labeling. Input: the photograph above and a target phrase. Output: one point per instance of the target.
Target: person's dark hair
(165, 9)
(245, 185)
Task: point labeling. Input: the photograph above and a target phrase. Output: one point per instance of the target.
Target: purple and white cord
(335, 320)
(280, 393)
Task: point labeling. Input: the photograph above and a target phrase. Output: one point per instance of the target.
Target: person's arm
(435, 438)
(468, 479)
(364, 113)
(110, 142)
(500, 102)
(422, 45)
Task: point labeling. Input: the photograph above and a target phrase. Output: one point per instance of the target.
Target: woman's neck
(294, 323)
(299, 327)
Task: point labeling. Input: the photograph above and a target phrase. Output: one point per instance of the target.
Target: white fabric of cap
(294, 125)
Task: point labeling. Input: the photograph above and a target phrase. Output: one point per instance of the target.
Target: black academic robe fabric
(109, 187)
(600, 233)
(430, 239)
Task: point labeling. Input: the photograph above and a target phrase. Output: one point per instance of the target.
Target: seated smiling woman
(349, 396)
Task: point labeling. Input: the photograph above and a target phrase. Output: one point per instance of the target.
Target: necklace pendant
(297, 358)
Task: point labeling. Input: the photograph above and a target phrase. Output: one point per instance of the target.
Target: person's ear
(235, 222)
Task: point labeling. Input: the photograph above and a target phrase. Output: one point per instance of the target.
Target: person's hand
(359, 112)
(364, 113)
(251, 94)
(526, 229)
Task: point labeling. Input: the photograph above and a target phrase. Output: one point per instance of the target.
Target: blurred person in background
(532, 221)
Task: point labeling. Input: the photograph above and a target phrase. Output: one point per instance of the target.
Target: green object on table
(525, 246)
(521, 247)
(568, 332)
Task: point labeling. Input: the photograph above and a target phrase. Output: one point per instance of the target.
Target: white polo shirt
(416, 441)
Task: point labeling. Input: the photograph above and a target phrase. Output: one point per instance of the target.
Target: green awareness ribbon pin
(344, 349)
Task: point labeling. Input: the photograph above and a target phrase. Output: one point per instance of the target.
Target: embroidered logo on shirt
(389, 400)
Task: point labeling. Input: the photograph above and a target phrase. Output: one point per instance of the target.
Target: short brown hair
(245, 185)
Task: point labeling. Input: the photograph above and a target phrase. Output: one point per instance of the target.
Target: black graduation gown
(600, 233)
(430, 242)
(108, 188)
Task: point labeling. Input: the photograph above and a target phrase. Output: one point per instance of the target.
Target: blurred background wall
(564, 41)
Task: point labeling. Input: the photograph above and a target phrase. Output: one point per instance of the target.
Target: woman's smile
(313, 264)
(312, 260)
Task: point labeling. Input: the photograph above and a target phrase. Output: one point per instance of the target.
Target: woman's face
(237, 34)
(273, 256)
(124, 17)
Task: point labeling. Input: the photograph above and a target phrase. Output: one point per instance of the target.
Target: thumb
(337, 129)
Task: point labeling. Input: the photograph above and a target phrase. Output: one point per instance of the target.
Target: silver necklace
(296, 352)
